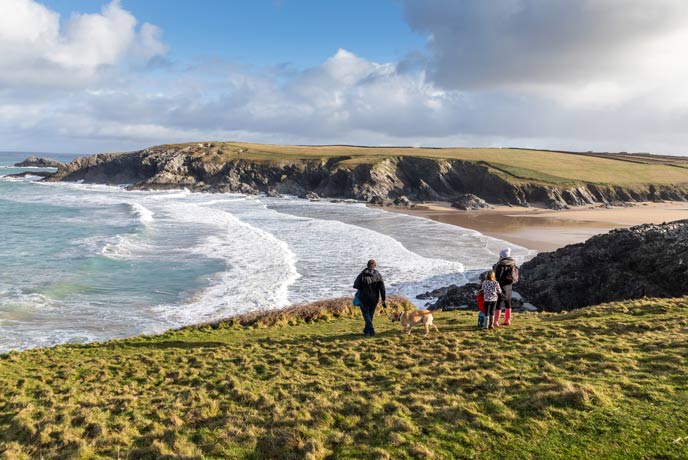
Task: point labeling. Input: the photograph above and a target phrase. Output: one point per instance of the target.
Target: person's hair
(490, 276)
(372, 263)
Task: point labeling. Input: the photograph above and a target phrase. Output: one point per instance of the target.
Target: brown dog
(408, 319)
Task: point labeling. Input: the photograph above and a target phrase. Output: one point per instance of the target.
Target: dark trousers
(490, 309)
(505, 297)
(368, 312)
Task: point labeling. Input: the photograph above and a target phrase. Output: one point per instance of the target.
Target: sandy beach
(546, 229)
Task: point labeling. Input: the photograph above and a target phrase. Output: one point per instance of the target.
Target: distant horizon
(35, 152)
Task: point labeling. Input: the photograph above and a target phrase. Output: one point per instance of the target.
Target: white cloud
(36, 50)
(595, 53)
(602, 74)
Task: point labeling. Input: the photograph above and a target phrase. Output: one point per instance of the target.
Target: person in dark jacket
(504, 269)
(371, 288)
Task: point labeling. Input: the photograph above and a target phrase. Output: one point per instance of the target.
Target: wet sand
(545, 229)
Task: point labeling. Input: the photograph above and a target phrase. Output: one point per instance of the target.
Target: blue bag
(357, 301)
(481, 320)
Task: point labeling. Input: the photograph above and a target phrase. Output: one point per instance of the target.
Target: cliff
(361, 174)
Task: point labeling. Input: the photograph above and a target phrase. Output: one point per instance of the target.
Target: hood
(506, 261)
(370, 276)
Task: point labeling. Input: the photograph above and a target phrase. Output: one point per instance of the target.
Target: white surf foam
(260, 267)
(125, 247)
(330, 254)
(28, 178)
(145, 215)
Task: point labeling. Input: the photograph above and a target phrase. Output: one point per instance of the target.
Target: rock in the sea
(470, 202)
(36, 162)
(28, 174)
(312, 196)
(642, 261)
(272, 193)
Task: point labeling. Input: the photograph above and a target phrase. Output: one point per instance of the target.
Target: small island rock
(36, 162)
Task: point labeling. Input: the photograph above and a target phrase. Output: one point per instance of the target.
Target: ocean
(83, 263)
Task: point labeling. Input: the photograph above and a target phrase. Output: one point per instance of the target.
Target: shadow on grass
(179, 344)
(605, 328)
(418, 332)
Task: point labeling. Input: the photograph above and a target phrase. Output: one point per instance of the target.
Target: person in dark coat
(507, 274)
(371, 288)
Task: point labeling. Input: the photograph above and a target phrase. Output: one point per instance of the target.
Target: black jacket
(370, 286)
(503, 268)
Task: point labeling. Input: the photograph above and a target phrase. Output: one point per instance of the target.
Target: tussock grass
(603, 382)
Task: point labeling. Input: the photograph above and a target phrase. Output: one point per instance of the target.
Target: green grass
(606, 382)
(515, 165)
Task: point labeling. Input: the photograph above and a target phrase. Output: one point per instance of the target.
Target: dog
(408, 319)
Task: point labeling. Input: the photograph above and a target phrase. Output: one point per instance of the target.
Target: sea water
(89, 262)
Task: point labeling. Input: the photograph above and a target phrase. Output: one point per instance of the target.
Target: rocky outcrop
(405, 179)
(642, 261)
(470, 202)
(29, 174)
(461, 298)
(403, 202)
(36, 162)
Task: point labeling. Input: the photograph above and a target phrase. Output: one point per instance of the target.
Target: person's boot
(507, 317)
(490, 322)
(496, 319)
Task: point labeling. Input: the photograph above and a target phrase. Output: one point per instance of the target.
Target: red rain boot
(507, 317)
(498, 312)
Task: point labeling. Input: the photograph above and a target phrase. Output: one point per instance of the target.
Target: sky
(86, 76)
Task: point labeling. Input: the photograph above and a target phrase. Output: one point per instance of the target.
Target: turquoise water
(59, 284)
(87, 262)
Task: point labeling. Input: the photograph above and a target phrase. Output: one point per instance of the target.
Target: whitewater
(83, 263)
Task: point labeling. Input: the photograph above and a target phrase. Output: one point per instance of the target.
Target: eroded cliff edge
(203, 167)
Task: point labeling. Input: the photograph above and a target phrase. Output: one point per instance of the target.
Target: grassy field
(607, 382)
(516, 165)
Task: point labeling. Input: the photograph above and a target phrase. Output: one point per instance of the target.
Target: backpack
(509, 273)
(512, 275)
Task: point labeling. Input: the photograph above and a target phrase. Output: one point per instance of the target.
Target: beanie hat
(506, 252)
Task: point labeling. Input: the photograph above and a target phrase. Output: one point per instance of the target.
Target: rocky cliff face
(205, 168)
(643, 261)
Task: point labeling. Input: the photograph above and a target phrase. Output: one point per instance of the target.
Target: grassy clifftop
(604, 382)
(515, 165)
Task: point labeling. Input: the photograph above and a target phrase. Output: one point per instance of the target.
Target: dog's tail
(435, 311)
